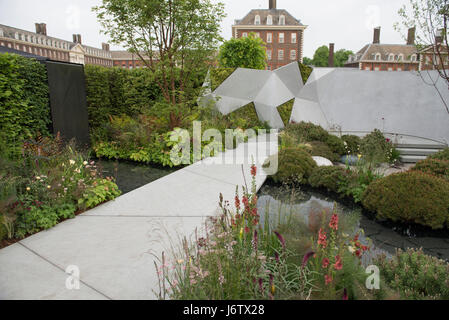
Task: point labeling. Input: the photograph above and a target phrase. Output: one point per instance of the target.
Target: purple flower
(276, 256)
(306, 258)
(345, 294)
(255, 240)
(281, 239)
(261, 285)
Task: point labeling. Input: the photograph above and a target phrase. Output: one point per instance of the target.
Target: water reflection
(384, 239)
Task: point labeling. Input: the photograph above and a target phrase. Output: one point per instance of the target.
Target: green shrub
(294, 166)
(305, 71)
(330, 178)
(335, 144)
(285, 111)
(24, 103)
(375, 148)
(433, 166)
(321, 149)
(352, 144)
(306, 131)
(441, 155)
(415, 275)
(411, 197)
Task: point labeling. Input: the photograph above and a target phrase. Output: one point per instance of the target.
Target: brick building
(127, 60)
(435, 56)
(386, 57)
(282, 33)
(39, 43)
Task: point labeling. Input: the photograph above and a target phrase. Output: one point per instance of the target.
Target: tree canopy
(245, 52)
(321, 57)
(176, 39)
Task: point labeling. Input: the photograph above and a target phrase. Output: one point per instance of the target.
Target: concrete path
(115, 245)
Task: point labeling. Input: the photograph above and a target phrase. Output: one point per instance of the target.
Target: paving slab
(24, 275)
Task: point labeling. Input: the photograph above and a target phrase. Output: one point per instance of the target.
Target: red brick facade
(280, 53)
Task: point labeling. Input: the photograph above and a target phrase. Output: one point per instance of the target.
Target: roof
(369, 51)
(24, 54)
(264, 13)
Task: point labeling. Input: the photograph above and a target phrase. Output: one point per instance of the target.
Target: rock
(322, 162)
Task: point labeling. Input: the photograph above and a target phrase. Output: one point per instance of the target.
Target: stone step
(416, 152)
(411, 158)
(421, 146)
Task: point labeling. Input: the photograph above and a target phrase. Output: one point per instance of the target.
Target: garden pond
(386, 237)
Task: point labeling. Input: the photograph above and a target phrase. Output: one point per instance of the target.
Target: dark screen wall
(68, 101)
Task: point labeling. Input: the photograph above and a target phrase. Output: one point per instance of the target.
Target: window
(281, 55)
(269, 54)
(390, 57)
(401, 57)
(377, 57)
(1, 32)
(399, 69)
(16, 36)
(257, 34)
(367, 69)
(282, 20)
(257, 20)
(293, 37)
(245, 34)
(269, 37)
(413, 57)
(269, 20)
(281, 37)
(292, 54)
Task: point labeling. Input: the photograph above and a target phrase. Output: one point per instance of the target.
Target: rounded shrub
(331, 178)
(335, 144)
(352, 144)
(321, 149)
(433, 166)
(410, 197)
(375, 148)
(441, 155)
(306, 131)
(294, 166)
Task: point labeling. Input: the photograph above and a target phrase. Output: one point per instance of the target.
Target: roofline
(265, 27)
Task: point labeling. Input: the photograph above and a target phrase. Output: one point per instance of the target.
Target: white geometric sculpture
(354, 101)
(267, 89)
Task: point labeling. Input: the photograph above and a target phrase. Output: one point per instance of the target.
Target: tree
(341, 57)
(307, 61)
(321, 57)
(430, 19)
(173, 38)
(245, 52)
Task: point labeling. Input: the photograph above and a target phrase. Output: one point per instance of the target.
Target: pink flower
(328, 279)
(338, 264)
(253, 170)
(325, 263)
(322, 238)
(333, 224)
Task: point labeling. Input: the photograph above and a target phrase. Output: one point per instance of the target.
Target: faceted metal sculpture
(266, 89)
(401, 104)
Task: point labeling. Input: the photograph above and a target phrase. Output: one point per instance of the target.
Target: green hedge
(433, 166)
(116, 91)
(412, 197)
(305, 71)
(24, 100)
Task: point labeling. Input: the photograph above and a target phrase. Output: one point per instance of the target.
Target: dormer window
(282, 20)
(377, 57)
(257, 20)
(269, 20)
(401, 57)
(413, 57)
(391, 57)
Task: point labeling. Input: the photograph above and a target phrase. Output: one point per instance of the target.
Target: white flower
(38, 178)
(351, 249)
(72, 162)
(85, 163)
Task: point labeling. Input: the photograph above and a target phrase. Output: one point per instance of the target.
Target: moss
(321, 149)
(330, 178)
(305, 71)
(285, 111)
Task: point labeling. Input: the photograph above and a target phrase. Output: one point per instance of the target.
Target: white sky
(347, 23)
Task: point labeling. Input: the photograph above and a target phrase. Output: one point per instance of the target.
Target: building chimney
(331, 55)
(376, 35)
(77, 38)
(41, 28)
(272, 4)
(105, 46)
(411, 36)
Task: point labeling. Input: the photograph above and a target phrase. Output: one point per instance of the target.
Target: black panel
(68, 101)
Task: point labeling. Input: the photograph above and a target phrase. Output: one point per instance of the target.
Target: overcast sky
(347, 23)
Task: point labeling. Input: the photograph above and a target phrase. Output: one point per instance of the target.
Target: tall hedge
(24, 100)
(116, 91)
